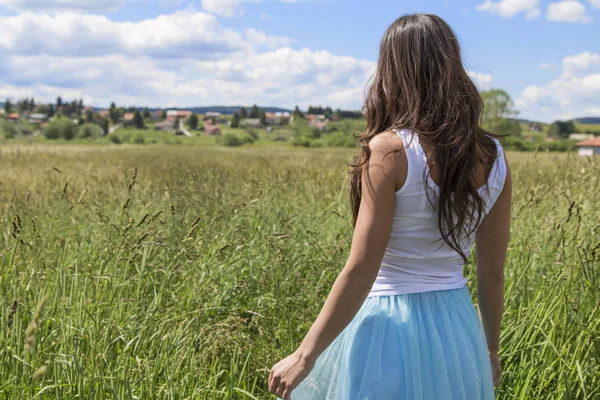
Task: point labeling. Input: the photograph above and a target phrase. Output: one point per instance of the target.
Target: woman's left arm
(371, 235)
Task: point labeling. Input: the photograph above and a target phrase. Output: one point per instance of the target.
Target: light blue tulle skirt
(421, 346)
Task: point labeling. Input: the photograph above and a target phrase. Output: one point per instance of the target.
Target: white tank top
(416, 258)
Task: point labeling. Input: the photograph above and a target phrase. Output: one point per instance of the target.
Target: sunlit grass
(177, 272)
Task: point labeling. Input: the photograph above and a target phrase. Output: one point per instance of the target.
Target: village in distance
(317, 126)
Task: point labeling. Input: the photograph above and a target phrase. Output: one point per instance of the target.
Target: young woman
(428, 183)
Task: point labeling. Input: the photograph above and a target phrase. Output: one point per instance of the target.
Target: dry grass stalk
(40, 372)
(34, 324)
(12, 312)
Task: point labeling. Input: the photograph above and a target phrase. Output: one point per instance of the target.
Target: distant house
(87, 109)
(317, 117)
(251, 123)
(277, 118)
(14, 116)
(534, 127)
(589, 147)
(37, 118)
(213, 118)
(580, 136)
(182, 114)
(128, 118)
(320, 125)
(212, 130)
(104, 114)
(167, 125)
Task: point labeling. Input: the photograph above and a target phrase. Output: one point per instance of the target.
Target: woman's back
(399, 322)
(416, 258)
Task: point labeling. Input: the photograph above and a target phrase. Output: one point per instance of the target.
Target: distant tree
(113, 113)
(298, 114)
(60, 128)
(243, 113)
(50, 110)
(146, 113)
(562, 128)
(193, 121)
(22, 105)
(349, 114)
(498, 113)
(262, 116)
(7, 106)
(88, 130)
(9, 129)
(79, 106)
(328, 112)
(338, 114)
(235, 120)
(31, 104)
(58, 103)
(80, 120)
(89, 116)
(254, 112)
(138, 121)
(105, 126)
(163, 115)
(316, 110)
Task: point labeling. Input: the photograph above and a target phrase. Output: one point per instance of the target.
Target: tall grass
(185, 273)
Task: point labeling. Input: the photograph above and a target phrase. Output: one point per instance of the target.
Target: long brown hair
(420, 84)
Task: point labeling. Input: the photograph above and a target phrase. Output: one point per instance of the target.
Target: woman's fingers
(274, 384)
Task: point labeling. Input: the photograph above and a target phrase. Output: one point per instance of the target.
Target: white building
(580, 136)
(589, 147)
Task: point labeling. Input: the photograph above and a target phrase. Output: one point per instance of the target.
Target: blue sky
(545, 54)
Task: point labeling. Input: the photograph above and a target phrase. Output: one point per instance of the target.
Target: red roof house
(212, 130)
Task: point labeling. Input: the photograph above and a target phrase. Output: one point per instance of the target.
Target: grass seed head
(133, 179)
(40, 372)
(34, 324)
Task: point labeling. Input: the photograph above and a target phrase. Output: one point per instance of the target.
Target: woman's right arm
(491, 247)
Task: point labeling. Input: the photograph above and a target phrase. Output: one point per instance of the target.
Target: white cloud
(595, 3)
(482, 80)
(181, 34)
(224, 8)
(59, 5)
(233, 8)
(259, 38)
(574, 92)
(578, 63)
(547, 66)
(592, 111)
(179, 59)
(265, 16)
(567, 11)
(510, 8)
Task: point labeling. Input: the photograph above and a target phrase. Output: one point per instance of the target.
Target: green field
(181, 272)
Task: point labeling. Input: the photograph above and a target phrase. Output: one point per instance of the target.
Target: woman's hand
(287, 374)
(496, 368)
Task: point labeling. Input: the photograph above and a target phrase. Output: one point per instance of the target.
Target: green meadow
(185, 272)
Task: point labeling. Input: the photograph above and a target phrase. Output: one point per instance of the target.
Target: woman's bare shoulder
(385, 142)
(387, 151)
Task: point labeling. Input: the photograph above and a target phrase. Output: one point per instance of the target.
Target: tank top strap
(497, 176)
(415, 157)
